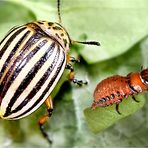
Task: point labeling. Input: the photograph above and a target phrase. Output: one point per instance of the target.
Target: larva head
(138, 81)
(144, 76)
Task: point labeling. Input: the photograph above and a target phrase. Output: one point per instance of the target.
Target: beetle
(114, 89)
(32, 60)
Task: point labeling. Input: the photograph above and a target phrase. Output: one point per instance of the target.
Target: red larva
(113, 90)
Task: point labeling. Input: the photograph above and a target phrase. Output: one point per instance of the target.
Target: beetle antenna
(88, 43)
(59, 14)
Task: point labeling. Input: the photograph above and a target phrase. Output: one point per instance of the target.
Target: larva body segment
(111, 90)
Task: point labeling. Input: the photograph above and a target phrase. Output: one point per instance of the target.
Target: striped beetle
(32, 59)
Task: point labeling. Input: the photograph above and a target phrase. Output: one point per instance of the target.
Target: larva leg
(135, 99)
(44, 118)
(117, 109)
(72, 78)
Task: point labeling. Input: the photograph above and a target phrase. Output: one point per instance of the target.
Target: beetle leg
(72, 59)
(72, 78)
(117, 109)
(135, 99)
(44, 118)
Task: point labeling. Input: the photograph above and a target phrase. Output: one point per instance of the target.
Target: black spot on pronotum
(50, 23)
(62, 34)
(57, 28)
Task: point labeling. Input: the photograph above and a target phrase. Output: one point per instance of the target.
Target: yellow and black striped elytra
(32, 60)
(30, 69)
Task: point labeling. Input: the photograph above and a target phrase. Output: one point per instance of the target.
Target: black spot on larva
(131, 87)
(112, 96)
(50, 23)
(124, 95)
(118, 94)
(103, 100)
(107, 98)
(49, 27)
(120, 100)
(100, 101)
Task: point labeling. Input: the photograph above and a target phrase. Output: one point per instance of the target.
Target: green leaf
(101, 118)
(10, 17)
(144, 52)
(117, 25)
(43, 10)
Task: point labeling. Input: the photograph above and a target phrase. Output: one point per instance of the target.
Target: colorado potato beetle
(32, 59)
(113, 90)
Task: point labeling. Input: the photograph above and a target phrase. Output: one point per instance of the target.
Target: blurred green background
(121, 26)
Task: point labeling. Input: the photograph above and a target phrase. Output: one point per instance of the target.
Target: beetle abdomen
(31, 64)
